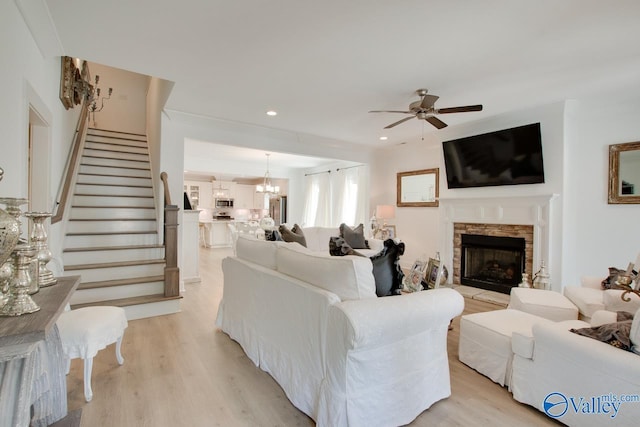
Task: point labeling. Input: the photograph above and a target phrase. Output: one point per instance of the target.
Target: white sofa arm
(386, 358)
(591, 282)
(382, 321)
(602, 317)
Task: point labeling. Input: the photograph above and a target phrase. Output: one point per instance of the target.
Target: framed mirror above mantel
(418, 188)
(624, 173)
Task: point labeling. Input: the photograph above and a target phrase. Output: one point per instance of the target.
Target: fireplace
(492, 263)
(491, 237)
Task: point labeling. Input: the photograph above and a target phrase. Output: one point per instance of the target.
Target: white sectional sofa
(577, 380)
(342, 355)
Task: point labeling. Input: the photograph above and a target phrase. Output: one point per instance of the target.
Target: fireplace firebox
(492, 263)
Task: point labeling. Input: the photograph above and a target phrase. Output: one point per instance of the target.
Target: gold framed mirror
(624, 173)
(418, 188)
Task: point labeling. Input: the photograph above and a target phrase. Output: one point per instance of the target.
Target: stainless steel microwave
(224, 203)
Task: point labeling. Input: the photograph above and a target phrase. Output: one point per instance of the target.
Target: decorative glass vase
(38, 239)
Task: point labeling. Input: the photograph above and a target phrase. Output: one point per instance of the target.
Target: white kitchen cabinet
(201, 190)
(261, 201)
(243, 196)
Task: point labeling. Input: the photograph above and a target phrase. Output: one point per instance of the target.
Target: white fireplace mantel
(534, 210)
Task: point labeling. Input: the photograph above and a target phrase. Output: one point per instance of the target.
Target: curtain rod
(329, 171)
(316, 173)
(348, 167)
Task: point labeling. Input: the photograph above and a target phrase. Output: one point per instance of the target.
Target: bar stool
(86, 331)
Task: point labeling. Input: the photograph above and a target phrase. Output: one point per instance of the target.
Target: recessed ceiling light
(383, 138)
(272, 113)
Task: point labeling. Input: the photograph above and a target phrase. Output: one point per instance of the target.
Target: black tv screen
(505, 157)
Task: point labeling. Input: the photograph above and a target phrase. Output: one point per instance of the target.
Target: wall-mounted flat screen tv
(505, 157)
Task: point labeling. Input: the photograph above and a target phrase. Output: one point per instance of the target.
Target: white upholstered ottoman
(485, 341)
(548, 304)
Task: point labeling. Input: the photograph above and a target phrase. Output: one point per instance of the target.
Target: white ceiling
(323, 64)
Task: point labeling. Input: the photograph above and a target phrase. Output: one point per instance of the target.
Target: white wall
(597, 235)
(26, 77)
(126, 110)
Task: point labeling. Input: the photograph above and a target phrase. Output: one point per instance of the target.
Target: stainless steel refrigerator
(278, 209)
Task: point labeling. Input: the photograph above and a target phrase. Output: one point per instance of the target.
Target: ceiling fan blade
(398, 122)
(428, 101)
(464, 109)
(436, 122)
(391, 111)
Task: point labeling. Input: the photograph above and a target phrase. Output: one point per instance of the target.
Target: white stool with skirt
(86, 331)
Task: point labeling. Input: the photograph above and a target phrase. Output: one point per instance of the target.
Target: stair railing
(72, 163)
(171, 270)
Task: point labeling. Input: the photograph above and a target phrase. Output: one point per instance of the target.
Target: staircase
(111, 238)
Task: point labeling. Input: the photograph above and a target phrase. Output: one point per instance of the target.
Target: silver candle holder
(20, 302)
(38, 239)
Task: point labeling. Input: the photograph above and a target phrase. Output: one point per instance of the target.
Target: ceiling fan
(424, 110)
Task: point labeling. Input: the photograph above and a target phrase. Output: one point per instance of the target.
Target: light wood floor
(179, 370)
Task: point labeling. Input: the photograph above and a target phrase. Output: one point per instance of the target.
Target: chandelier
(266, 186)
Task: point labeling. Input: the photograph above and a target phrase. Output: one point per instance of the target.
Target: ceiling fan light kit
(424, 109)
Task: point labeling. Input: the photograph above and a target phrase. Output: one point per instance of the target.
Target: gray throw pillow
(339, 247)
(293, 235)
(354, 236)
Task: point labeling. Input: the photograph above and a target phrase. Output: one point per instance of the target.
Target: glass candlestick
(20, 302)
(39, 240)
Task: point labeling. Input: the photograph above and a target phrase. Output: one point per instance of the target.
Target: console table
(32, 365)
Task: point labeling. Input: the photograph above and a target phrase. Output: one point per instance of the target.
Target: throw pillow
(293, 235)
(354, 236)
(386, 269)
(634, 334)
(616, 334)
(610, 282)
(272, 235)
(339, 247)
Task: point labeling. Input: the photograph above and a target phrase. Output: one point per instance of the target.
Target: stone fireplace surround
(519, 216)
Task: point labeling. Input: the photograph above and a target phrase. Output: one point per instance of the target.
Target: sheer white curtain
(350, 190)
(317, 207)
(336, 198)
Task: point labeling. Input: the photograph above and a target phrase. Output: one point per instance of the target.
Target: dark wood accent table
(32, 360)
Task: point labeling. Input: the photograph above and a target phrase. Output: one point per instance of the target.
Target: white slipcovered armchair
(589, 297)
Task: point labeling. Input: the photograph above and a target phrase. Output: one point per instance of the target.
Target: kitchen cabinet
(199, 194)
(261, 201)
(243, 196)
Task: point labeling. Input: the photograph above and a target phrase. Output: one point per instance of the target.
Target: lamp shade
(385, 211)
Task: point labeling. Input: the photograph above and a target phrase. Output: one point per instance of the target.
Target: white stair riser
(115, 255)
(88, 152)
(115, 146)
(83, 296)
(111, 240)
(142, 173)
(114, 213)
(94, 161)
(98, 133)
(113, 180)
(113, 191)
(113, 203)
(142, 311)
(110, 226)
(116, 273)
